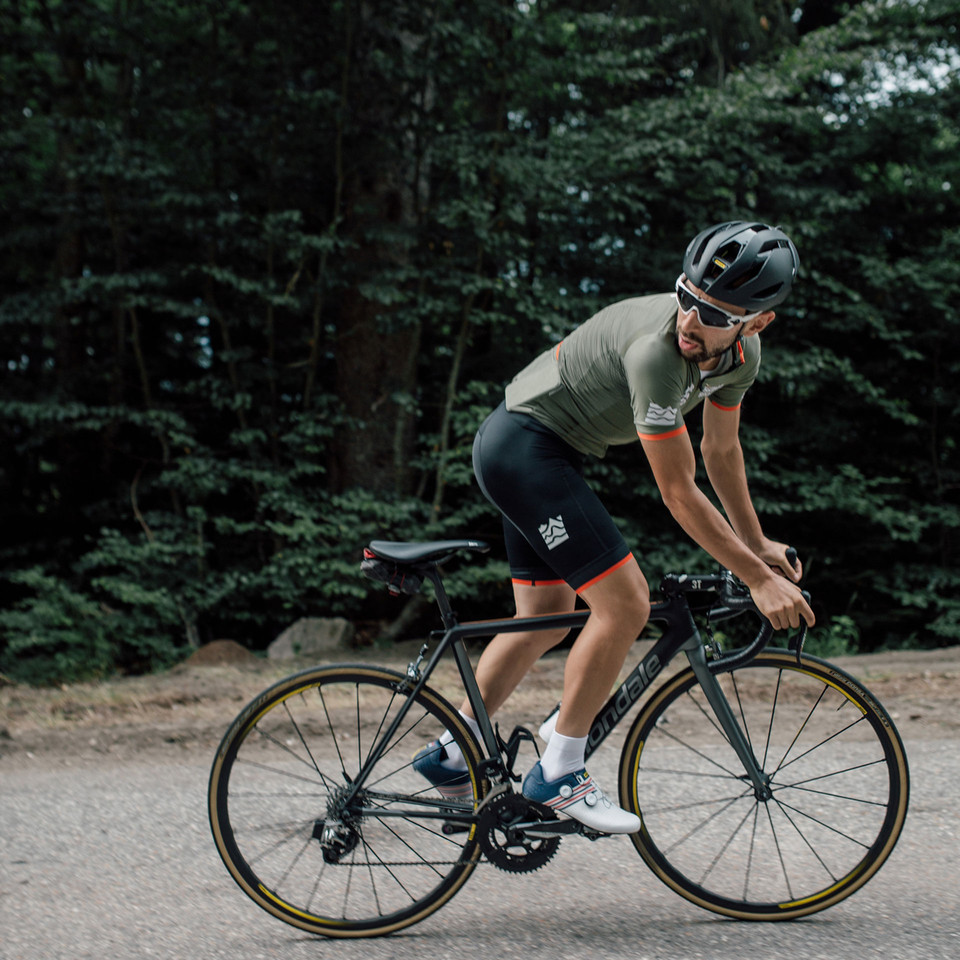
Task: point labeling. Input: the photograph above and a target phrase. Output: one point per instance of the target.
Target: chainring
(506, 846)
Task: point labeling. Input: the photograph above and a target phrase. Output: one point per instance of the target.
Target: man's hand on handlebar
(782, 603)
(781, 558)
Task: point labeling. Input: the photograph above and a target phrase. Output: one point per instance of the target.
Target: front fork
(697, 656)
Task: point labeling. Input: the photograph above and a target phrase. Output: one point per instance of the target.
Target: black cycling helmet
(749, 265)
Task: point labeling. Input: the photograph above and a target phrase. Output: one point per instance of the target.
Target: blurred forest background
(266, 267)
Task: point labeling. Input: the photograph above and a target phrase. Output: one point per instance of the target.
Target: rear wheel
(309, 848)
(836, 805)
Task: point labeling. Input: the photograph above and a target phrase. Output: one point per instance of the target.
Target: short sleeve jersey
(620, 376)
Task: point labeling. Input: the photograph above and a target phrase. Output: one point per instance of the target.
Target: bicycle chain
(497, 839)
(500, 812)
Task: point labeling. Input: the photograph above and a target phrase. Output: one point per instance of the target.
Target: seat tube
(462, 659)
(472, 690)
(696, 654)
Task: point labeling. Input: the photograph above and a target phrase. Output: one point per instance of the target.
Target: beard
(703, 354)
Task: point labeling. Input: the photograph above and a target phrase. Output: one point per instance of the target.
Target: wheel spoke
(727, 771)
(703, 824)
(706, 714)
(816, 746)
(333, 733)
(800, 729)
(783, 865)
(725, 846)
(822, 823)
(806, 841)
(296, 831)
(311, 763)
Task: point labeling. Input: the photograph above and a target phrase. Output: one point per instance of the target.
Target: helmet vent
(768, 292)
(698, 256)
(774, 245)
(730, 251)
(726, 255)
(748, 275)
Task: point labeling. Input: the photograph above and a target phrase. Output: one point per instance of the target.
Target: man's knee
(629, 607)
(637, 607)
(622, 599)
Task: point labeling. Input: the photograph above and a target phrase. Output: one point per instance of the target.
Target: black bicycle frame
(680, 633)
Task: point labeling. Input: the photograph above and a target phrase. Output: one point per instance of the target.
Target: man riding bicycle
(629, 373)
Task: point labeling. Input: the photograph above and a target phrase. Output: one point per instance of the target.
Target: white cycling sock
(454, 758)
(562, 755)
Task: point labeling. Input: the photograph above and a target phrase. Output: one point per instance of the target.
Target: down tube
(637, 681)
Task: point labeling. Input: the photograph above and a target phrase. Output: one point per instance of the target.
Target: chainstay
(412, 863)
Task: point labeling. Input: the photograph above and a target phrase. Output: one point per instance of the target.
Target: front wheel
(837, 798)
(315, 847)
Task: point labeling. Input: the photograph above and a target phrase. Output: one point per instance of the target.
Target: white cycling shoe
(577, 796)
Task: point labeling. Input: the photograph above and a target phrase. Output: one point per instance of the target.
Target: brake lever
(735, 599)
(796, 644)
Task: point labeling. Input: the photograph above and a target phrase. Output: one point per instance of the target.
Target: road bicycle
(770, 783)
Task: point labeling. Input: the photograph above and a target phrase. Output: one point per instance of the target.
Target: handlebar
(733, 600)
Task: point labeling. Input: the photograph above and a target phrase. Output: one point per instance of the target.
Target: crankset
(517, 835)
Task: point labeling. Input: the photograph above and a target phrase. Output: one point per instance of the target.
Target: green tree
(266, 267)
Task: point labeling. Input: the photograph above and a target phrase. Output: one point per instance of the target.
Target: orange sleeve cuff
(663, 436)
(721, 407)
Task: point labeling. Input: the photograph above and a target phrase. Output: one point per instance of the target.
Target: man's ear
(757, 324)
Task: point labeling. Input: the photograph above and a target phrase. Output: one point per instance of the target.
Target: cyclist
(629, 373)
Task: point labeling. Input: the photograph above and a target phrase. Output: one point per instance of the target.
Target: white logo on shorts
(553, 532)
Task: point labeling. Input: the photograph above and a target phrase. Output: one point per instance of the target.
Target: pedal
(557, 828)
(562, 828)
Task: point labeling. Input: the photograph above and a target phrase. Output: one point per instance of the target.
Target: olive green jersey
(620, 376)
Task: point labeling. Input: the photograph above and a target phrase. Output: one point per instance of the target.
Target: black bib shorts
(555, 527)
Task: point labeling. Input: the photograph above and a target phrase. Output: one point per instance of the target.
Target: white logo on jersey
(663, 416)
(553, 532)
(710, 388)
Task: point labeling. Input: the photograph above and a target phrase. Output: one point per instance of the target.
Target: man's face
(699, 343)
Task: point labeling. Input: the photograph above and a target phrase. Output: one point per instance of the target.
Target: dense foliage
(266, 267)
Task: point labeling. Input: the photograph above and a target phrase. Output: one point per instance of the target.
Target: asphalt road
(100, 859)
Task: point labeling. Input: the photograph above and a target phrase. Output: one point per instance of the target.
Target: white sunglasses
(709, 314)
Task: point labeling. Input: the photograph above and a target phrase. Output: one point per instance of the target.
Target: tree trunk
(376, 384)
(375, 353)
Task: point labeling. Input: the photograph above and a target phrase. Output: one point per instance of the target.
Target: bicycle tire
(838, 775)
(279, 778)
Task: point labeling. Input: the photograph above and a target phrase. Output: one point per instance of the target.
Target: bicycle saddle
(404, 552)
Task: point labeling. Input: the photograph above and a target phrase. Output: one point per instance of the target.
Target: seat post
(443, 601)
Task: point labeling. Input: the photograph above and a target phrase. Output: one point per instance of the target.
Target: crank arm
(544, 830)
